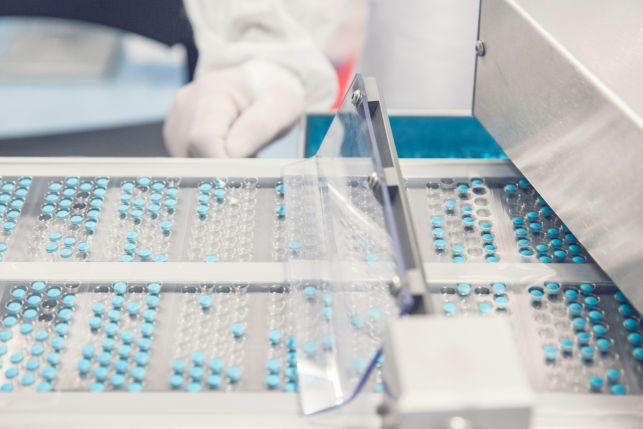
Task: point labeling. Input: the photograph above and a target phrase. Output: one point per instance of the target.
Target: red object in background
(345, 72)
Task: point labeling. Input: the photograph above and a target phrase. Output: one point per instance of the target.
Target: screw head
(480, 49)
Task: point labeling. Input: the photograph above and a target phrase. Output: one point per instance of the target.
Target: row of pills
(539, 233)
(68, 219)
(35, 323)
(117, 349)
(461, 224)
(579, 352)
(464, 299)
(223, 222)
(142, 226)
(12, 201)
(211, 336)
(281, 359)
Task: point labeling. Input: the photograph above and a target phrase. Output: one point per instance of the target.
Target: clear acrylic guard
(344, 256)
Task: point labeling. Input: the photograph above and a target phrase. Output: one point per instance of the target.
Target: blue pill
(117, 302)
(521, 232)
(238, 329)
(294, 246)
(5, 336)
(144, 344)
(138, 373)
(152, 301)
(141, 358)
(327, 312)
(552, 233)
(310, 291)
(196, 373)
(149, 315)
(625, 309)
(290, 387)
(114, 315)
(485, 227)
(198, 358)
(618, 389)
(571, 295)
(309, 349)
(216, 366)
(552, 288)
(127, 336)
(87, 351)
(58, 343)
(14, 307)
(107, 344)
(134, 387)
(620, 297)
(291, 373)
(438, 233)
(449, 308)
(599, 330)
(124, 351)
(18, 293)
(9, 321)
(214, 381)
(97, 387)
(575, 309)
(545, 259)
(464, 289)
(603, 344)
(510, 189)
(595, 316)
(638, 353)
(587, 352)
(357, 321)
(523, 243)
(461, 260)
(172, 192)
(210, 258)
(147, 329)
(234, 374)
(84, 365)
(595, 383)
(457, 250)
(579, 323)
(449, 205)
(27, 380)
(440, 244)
(566, 345)
(133, 308)
(16, 358)
(69, 300)
(550, 352)
(583, 338)
(110, 329)
(291, 358)
(53, 358)
(176, 381)
(178, 366)
(117, 380)
(272, 381)
(193, 387)
(612, 375)
(144, 182)
(274, 337)
(121, 366)
(166, 225)
(630, 324)
(436, 222)
(291, 343)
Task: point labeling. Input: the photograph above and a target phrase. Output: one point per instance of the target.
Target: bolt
(480, 49)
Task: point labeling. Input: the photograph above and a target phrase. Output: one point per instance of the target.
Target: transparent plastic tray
(344, 256)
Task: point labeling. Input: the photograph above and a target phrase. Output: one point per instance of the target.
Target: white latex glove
(233, 112)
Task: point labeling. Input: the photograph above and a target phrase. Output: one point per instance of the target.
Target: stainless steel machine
(351, 289)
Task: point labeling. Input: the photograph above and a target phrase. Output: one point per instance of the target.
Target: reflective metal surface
(559, 88)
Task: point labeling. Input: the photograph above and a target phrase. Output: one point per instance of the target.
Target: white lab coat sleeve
(230, 33)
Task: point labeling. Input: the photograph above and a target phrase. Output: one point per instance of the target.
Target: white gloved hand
(233, 112)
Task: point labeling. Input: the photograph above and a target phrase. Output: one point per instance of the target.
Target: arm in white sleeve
(259, 67)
